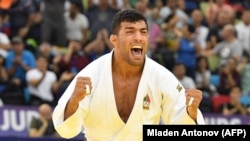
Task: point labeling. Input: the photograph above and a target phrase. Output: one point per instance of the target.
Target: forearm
(68, 56)
(57, 85)
(242, 110)
(30, 20)
(12, 70)
(85, 38)
(90, 46)
(70, 108)
(230, 111)
(3, 74)
(231, 80)
(36, 83)
(25, 67)
(42, 129)
(5, 46)
(206, 81)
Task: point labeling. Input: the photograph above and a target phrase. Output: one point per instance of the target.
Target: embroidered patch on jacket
(179, 87)
(146, 102)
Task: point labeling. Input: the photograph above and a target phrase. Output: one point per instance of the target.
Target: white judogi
(159, 96)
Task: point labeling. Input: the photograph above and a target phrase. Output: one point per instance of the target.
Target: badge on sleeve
(179, 87)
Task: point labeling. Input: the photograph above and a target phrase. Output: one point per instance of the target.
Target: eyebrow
(134, 28)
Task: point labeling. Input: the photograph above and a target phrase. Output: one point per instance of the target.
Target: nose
(138, 36)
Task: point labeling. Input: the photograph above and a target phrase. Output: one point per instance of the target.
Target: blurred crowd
(205, 43)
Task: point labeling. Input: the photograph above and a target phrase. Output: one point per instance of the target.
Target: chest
(125, 92)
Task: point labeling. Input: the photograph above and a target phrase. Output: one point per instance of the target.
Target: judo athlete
(112, 97)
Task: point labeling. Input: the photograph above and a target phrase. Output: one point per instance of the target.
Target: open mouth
(136, 50)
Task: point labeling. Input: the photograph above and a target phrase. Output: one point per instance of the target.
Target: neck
(18, 53)
(197, 24)
(72, 15)
(125, 70)
(230, 39)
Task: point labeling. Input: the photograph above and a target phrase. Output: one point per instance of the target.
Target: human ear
(113, 40)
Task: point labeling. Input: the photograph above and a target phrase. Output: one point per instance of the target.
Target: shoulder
(236, 44)
(11, 53)
(82, 16)
(239, 25)
(28, 53)
(33, 71)
(157, 70)
(35, 122)
(51, 74)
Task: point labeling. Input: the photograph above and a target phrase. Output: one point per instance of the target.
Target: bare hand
(66, 76)
(193, 107)
(80, 88)
(17, 61)
(44, 120)
(23, 32)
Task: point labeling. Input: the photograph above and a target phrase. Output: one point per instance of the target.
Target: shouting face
(131, 42)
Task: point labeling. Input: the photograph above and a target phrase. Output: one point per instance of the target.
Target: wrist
(192, 112)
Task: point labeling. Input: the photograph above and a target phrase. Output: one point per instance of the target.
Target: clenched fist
(80, 90)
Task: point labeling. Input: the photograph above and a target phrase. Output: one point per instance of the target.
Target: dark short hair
(128, 15)
(191, 28)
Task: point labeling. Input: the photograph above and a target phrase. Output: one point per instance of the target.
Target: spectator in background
(4, 23)
(3, 75)
(99, 16)
(229, 77)
(74, 60)
(234, 106)
(21, 16)
(155, 27)
(77, 23)
(179, 71)
(201, 31)
(187, 49)
(214, 8)
(171, 6)
(229, 47)
(45, 50)
(164, 52)
(42, 126)
(18, 62)
(53, 26)
(243, 31)
(170, 32)
(98, 47)
(156, 11)
(5, 45)
(215, 31)
(42, 83)
(202, 78)
(244, 69)
(190, 5)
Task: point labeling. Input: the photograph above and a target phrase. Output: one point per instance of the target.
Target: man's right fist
(81, 89)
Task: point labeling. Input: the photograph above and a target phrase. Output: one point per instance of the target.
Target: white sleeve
(70, 127)
(174, 104)
(200, 119)
(73, 125)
